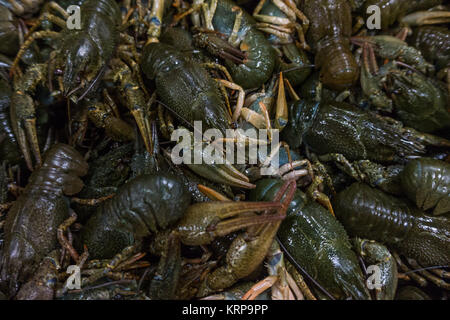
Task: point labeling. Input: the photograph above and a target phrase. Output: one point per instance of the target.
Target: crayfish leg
(426, 18)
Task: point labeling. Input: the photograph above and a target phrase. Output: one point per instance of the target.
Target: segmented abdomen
(31, 224)
(9, 149)
(143, 206)
(427, 183)
(434, 43)
(370, 213)
(331, 27)
(99, 19)
(260, 56)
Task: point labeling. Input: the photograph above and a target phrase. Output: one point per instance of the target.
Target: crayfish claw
(144, 128)
(30, 126)
(420, 18)
(23, 120)
(205, 221)
(222, 174)
(219, 47)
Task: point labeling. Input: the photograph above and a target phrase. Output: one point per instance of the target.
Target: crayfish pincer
(143, 206)
(368, 212)
(32, 222)
(205, 221)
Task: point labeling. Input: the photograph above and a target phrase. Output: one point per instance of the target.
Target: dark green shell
(337, 127)
(185, 87)
(260, 54)
(32, 221)
(370, 213)
(318, 242)
(426, 182)
(142, 206)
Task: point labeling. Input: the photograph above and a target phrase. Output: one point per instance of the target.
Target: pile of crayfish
(213, 149)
